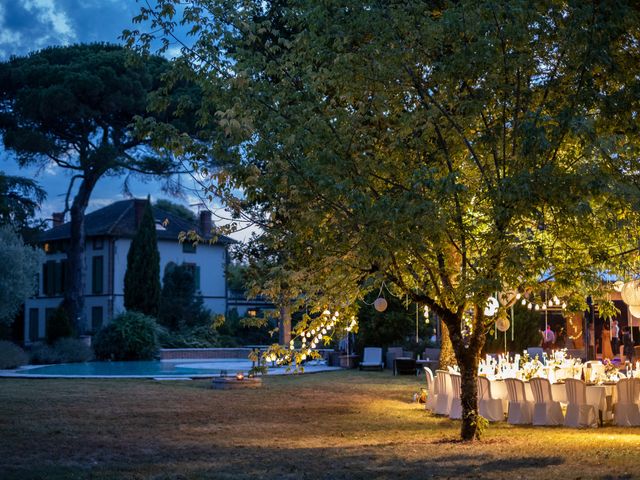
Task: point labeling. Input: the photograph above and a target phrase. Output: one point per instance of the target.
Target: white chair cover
(455, 412)
(432, 396)
(627, 410)
(520, 410)
(579, 412)
(490, 408)
(443, 392)
(545, 410)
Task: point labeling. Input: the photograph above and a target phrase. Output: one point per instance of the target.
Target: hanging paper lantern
(491, 307)
(380, 304)
(503, 324)
(631, 292)
(635, 310)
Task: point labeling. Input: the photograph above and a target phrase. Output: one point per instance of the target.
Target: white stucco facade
(104, 303)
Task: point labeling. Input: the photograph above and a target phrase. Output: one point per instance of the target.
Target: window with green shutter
(49, 278)
(97, 274)
(96, 318)
(34, 324)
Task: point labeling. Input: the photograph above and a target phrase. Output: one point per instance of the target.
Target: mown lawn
(338, 425)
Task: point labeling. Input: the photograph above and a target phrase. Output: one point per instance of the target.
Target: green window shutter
(96, 318)
(45, 278)
(57, 278)
(97, 272)
(196, 277)
(34, 324)
(64, 275)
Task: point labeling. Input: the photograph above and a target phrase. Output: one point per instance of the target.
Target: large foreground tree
(73, 107)
(454, 149)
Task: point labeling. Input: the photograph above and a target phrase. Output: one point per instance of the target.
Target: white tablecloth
(602, 397)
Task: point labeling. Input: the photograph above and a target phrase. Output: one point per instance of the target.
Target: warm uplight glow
(239, 376)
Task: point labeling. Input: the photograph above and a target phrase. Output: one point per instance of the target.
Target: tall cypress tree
(142, 279)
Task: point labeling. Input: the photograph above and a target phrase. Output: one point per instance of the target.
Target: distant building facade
(109, 232)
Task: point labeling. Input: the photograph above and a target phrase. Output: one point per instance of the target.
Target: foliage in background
(395, 327)
(180, 307)
(142, 278)
(11, 355)
(20, 199)
(526, 333)
(129, 336)
(235, 331)
(19, 267)
(58, 326)
(63, 350)
(175, 208)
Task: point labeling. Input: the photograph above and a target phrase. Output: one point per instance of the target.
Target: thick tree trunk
(284, 325)
(469, 396)
(74, 293)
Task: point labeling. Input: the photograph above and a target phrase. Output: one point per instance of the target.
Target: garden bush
(129, 336)
(64, 350)
(11, 355)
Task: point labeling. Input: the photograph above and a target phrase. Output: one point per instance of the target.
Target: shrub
(129, 336)
(196, 337)
(64, 350)
(59, 326)
(11, 355)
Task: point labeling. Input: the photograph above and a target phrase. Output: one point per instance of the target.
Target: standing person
(615, 338)
(548, 338)
(606, 342)
(627, 344)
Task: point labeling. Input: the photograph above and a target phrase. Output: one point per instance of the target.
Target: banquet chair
(545, 410)
(490, 408)
(455, 412)
(520, 410)
(432, 396)
(627, 410)
(579, 412)
(443, 392)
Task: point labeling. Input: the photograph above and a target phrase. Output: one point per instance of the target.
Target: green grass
(338, 425)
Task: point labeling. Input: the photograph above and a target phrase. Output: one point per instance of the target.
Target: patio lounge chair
(372, 358)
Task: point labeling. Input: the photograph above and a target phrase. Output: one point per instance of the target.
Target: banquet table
(602, 397)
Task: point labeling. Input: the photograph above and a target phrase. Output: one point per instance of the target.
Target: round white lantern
(491, 307)
(380, 304)
(635, 310)
(631, 293)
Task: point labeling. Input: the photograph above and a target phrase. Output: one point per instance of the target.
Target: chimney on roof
(138, 206)
(205, 222)
(58, 218)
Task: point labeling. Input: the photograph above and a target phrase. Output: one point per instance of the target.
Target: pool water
(154, 369)
(141, 369)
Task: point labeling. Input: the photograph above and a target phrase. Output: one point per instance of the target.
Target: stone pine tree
(142, 279)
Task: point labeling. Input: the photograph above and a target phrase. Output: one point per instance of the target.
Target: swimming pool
(150, 369)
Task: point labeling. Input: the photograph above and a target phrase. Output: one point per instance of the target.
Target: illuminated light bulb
(313, 332)
(308, 334)
(304, 340)
(312, 345)
(329, 327)
(518, 296)
(303, 357)
(524, 302)
(324, 331)
(537, 307)
(556, 300)
(551, 303)
(544, 306)
(564, 305)
(529, 306)
(319, 336)
(336, 314)
(326, 312)
(292, 347)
